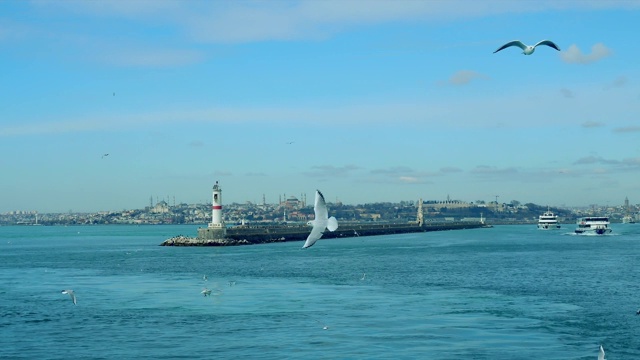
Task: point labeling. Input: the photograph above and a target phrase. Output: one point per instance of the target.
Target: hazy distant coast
(298, 212)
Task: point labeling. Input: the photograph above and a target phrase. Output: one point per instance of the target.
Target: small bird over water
(601, 353)
(205, 292)
(72, 294)
(527, 49)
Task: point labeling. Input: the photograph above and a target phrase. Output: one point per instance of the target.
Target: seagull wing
(316, 234)
(320, 208)
(548, 43)
(601, 353)
(320, 221)
(72, 294)
(517, 43)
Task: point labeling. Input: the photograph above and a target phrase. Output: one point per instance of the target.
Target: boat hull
(548, 226)
(593, 232)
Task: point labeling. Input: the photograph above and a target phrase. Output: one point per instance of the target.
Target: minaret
(420, 217)
(216, 208)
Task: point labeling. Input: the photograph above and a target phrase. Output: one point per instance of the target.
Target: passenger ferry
(628, 219)
(548, 221)
(597, 225)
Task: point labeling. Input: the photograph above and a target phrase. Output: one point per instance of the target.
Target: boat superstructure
(548, 221)
(594, 225)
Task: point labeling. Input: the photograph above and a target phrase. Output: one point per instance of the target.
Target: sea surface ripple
(508, 292)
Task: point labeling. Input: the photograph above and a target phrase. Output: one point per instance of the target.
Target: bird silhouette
(527, 49)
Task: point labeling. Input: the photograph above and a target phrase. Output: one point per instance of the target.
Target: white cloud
(627, 129)
(409, 179)
(450, 169)
(618, 82)
(253, 20)
(592, 124)
(151, 57)
(330, 171)
(573, 55)
(464, 77)
(567, 93)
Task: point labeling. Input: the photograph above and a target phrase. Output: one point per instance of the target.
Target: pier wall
(211, 233)
(244, 235)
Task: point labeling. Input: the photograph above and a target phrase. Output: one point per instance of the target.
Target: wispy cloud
(464, 77)
(401, 175)
(450, 169)
(485, 170)
(625, 164)
(252, 20)
(627, 129)
(128, 56)
(327, 171)
(618, 82)
(393, 171)
(566, 93)
(573, 55)
(592, 124)
(590, 160)
(634, 162)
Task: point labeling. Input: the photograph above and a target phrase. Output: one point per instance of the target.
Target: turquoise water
(509, 292)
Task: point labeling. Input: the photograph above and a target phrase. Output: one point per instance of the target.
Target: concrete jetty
(251, 235)
(218, 234)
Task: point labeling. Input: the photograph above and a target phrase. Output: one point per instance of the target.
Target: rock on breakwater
(182, 240)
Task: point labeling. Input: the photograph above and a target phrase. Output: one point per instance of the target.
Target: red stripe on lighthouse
(217, 207)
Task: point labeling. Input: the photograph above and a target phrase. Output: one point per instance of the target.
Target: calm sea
(509, 292)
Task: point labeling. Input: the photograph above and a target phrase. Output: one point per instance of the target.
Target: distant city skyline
(108, 103)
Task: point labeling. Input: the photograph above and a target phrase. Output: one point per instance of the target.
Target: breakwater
(248, 235)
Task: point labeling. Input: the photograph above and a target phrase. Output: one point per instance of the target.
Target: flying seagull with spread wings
(601, 353)
(322, 221)
(527, 49)
(71, 294)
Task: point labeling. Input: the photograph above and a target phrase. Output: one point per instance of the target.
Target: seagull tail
(332, 224)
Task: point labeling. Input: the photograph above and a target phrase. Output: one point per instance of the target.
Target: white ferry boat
(628, 219)
(548, 221)
(597, 225)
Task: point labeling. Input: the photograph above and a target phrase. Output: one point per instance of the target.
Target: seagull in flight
(527, 49)
(72, 294)
(321, 221)
(104, 155)
(601, 353)
(205, 292)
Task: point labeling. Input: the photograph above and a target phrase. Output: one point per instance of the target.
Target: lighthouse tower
(216, 208)
(216, 228)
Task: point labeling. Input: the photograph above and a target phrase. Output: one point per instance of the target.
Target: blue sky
(383, 101)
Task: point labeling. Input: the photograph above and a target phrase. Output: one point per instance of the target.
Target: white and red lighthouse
(216, 208)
